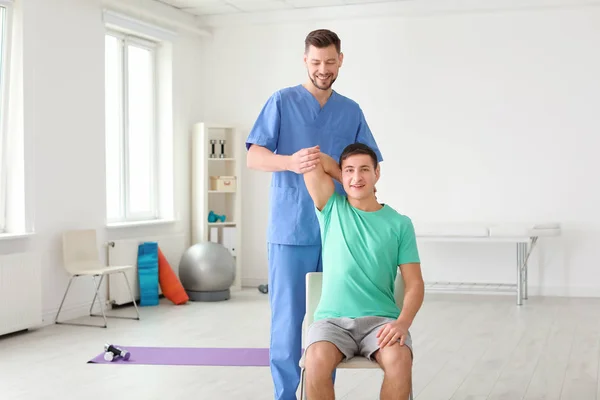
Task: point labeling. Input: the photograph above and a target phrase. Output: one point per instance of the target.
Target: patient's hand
(392, 332)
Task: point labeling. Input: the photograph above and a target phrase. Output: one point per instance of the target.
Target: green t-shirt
(361, 254)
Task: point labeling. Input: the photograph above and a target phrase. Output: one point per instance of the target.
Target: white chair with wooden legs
(314, 281)
(81, 258)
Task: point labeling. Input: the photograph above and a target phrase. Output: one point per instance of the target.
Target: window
(132, 162)
(4, 64)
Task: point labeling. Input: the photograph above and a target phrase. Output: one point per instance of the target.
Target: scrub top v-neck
(313, 104)
(292, 119)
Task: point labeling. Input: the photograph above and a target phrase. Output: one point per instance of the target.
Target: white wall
(63, 50)
(483, 116)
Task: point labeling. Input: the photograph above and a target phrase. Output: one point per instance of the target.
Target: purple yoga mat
(255, 357)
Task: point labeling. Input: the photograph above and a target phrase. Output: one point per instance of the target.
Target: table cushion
(450, 230)
(524, 229)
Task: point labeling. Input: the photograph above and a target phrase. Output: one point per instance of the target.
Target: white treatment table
(525, 236)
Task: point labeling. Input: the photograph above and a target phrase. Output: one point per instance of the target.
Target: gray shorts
(352, 336)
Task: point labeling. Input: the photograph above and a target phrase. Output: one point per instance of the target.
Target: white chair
(314, 281)
(81, 258)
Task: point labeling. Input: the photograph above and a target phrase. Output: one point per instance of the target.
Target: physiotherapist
(293, 127)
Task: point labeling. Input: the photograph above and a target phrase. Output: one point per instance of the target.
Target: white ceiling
(220, 7)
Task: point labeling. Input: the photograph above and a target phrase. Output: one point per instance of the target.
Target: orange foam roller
(170, 285)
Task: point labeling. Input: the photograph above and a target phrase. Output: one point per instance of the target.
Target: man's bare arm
(263, 159)
(320, 185)
(414, 292)
(331, 167)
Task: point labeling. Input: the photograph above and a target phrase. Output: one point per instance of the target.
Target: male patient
(364, 242)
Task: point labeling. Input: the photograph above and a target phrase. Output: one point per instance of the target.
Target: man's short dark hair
(358, 148)
(322, 38)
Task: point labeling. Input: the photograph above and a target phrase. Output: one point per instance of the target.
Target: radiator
(125, 252)
(20, 292)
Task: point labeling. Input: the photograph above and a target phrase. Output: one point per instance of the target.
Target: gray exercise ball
(207, 271)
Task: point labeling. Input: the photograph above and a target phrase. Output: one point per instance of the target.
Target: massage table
(525, 236)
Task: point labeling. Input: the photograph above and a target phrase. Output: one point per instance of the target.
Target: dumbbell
(111, 352)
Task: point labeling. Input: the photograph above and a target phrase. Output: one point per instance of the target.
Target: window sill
(131, 224)
(14, 236)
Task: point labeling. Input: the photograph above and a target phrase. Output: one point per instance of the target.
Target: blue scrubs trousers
(288, 266)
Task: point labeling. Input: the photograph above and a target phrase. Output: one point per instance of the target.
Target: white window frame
(4, 104)
(125, 215)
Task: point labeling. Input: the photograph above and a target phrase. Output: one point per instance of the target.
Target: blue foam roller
(148, 273)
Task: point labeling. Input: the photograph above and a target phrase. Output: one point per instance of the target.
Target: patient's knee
(322, 358)
(396, 360)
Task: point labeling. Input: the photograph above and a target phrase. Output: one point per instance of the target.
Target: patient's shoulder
(393, 213)
(399, 221)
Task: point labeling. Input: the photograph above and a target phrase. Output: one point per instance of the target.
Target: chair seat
(357, 362)
(104, 270)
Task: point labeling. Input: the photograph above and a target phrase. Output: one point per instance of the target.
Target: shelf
(222, 198)
(462, 287)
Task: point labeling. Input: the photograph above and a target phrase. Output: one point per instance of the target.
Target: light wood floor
(467, 347)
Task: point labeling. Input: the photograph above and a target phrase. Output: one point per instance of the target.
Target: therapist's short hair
(322, 38)
(358, 148)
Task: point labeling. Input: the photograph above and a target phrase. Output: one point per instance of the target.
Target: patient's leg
(328, 342)
(396, 362)
(321, 360)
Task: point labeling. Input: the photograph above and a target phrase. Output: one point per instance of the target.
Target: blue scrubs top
(292, 119)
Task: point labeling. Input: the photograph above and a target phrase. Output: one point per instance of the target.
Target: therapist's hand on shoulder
(304, 160)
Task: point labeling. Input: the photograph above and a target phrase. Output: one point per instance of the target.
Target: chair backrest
(399, 290)
(314, 281)
(80, 251)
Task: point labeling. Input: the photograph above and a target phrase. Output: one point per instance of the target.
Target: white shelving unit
(206, 198)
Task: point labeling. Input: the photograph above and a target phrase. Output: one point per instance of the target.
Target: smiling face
(323, 65)
(359, 176)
